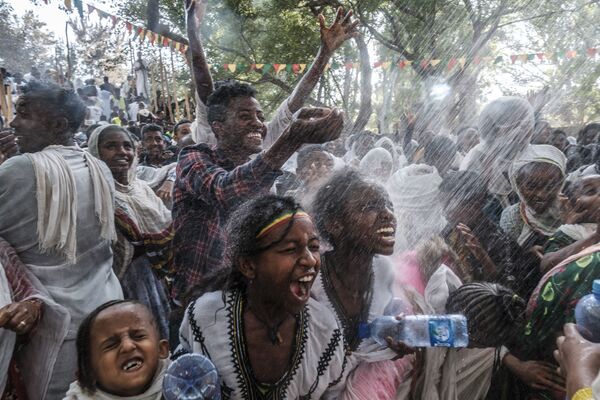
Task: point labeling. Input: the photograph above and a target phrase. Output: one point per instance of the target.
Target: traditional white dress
(213, 327)
(367, 349)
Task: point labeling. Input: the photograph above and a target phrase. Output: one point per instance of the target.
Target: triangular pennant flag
(549, 56)
(259, 67)
(499, 59)
(302, 67)
(166, 41)
(102, 14)
(128, 26)
(288, 68)
(79, 7)
(151, 36)
(348, 65)
(434, 63)
(69, 5)
(231, 67)
(477, 60)
(452, 63)
(327, 67)
(409, 63)
(90, 8)
(159, 40)
(513, 58)
(462, 61)
(114, 20)
(560, 54)
(540, 56)
(487, 59)
(530, 57)
(377, 64)
(424, 63)
(266, 68)
(296, 69)
(401, 64)
(571, 54)
(386, 65)
(524, 58)
(177, 46)
(279, 67)
(184, 48)
(592, 52)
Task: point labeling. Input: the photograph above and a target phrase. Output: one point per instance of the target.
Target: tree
(24, 42)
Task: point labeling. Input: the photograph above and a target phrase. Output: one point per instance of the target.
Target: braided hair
(242, 230)
(495, 314)
(85, 374)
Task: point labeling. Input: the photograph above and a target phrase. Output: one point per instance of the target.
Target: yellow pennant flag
(302, 67)
(386, 65)
(232, 67)
(279, 67)
(462, 62)
(260, 66)
(69, 4)
(435, 62)
(408, 62)
(327, 67)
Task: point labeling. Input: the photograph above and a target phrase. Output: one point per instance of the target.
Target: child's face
(125, 349)
(586, 200)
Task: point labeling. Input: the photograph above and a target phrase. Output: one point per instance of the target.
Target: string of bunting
(451, 63)
(138, 32)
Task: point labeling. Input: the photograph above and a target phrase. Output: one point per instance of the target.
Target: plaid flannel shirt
(207, 188)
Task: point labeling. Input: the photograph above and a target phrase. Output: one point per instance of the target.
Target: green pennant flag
(288, 68)
(266, 68)
(531, 57)
(498, 60)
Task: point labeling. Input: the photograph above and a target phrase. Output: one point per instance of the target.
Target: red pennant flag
(477, 60)
(401, 64)
(452, 63)
(128, 26)
(592, 52)
(571, 54)
(90, 8)
(165, 41)
(296, 68)
(424, 63)
(513, 58)
(152, 37)
(377, 64)
(348, 65)
(540, 56)
(114, 20)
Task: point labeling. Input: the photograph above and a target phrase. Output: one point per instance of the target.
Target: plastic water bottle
(192, 377)
(422, 330)
(587, 314)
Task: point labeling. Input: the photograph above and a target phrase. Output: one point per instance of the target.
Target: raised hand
(8, 144)
(342, 29)
(317, 125)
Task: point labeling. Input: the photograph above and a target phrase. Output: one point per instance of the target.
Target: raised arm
(195, 10)
(332, 37)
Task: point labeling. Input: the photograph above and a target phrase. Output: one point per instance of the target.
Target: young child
(119, 354)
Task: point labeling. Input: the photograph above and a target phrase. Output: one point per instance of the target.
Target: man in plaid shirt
(213, 180)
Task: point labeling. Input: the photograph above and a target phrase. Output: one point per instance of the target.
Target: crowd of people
(269, 246)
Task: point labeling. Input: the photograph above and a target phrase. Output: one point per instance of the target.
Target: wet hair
(182, 122)
(219, 100)
(58, 101)
(594, 126)
(462, 129)
(85, 374)
(464, 185)
(440, 149)
(151, 128)
(340, 189)
(306, 152)
(242, 228)
(493, 311)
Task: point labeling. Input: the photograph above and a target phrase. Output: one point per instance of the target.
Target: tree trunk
(153, 15)
(388, 93)
(366, 89)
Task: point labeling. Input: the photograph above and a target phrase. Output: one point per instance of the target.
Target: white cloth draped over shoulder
(154, 392)
(202, 131)
(78, 286)
(414, 191)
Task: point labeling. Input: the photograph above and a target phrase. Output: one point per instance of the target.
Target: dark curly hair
(328, 204)
(219, 100)
(85, 373)
(242, 228)
(464, 185)
(59, 102)
(495, 314)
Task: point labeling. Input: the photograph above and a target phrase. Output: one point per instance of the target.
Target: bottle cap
(596, 287)
(191, 377)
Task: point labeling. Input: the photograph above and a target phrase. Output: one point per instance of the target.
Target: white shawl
(154, 392)
(57, 200)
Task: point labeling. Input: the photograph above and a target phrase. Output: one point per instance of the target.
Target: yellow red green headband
(280, 221)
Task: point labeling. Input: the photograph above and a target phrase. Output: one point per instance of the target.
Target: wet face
(118, 151)
(541, 134)
(586, 199)
(125, 349)
(512, 140)
(368, 222)
(182, 131)
(463, 210)
(468, 139)
(244, 128)
(589, 137)
(284, 273)
(539, 185)
(36, 127)
(363, 144)
(317, 166)
(559, 140)
(154, 144)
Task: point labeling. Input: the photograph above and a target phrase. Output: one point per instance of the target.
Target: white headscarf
(545, 223)
(372, 163)
(414, 191)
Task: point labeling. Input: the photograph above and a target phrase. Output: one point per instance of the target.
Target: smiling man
(213, 180)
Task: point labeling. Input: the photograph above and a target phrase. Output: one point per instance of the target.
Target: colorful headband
(280, 221)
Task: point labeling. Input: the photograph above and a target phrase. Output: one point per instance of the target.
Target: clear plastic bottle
(422, 330)
(587, 314)
(191, 377)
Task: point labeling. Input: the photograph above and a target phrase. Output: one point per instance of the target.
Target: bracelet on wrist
(583, 394)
